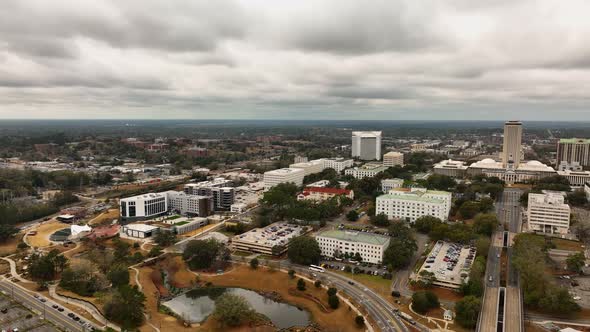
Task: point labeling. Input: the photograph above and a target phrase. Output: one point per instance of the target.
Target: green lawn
(376, 283)
(242, 253)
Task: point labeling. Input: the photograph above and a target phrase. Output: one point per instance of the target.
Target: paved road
(378, 308)
(401, 277)
(58, 318)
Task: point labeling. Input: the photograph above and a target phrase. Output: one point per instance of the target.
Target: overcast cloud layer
(452, 59)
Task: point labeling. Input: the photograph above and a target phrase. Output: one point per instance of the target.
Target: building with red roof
(324, 193)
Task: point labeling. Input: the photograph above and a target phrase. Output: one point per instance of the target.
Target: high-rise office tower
(573, 150)
(366, 145)
(511, 153)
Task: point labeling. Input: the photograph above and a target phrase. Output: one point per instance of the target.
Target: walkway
(13, 271)
(91, 309)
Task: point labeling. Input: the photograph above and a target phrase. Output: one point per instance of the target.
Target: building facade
(283, 175)
(390, 184)
(512, 147)
(548, 213)
(572, 150)
(451, 168)
(367, 170)
(310, 167)
(392, 159)
(411, 204)
(219, 189)
(366, 145)
(335, 243)
(576, 179)
(143, 206)
(187, 204)
(587, 190)
(324, 193)
(338, 164)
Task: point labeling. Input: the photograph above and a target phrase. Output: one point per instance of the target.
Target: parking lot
(14, 315)
(450, 263)
(364, 268)
(579, 288)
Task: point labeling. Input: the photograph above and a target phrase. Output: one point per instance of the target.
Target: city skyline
(393, 60)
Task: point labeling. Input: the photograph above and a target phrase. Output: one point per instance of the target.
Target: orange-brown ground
(105, 217)
(265, 280)
(10, 246)
(43, 232)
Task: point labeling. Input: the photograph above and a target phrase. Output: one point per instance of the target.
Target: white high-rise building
(283, 175)
(366, 145)
(548, 213)
(337, 242)
(511, 152)
(414, 203)
(390, 184)
(392, 159)
(184, 203)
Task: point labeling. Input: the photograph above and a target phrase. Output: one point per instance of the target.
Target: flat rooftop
(284, 171)
(450, 263)
(351, 236)
(274, 234)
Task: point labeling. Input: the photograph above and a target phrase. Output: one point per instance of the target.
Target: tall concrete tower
(366, 145)
(511, 153)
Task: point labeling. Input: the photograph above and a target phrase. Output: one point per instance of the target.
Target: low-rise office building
(367, 170)
(413, 203)
(283, 175)
(310, 167)
(263, 240)
(453, 168)
(390, 184)
(392, 159)
(324, 193)
(138, 231)
(337, 164)
(548, 213)
(576, 178)
(335, 243)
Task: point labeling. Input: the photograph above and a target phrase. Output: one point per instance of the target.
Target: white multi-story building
(334, 243)
(366, 145)
(187, 204)
(392, 159)
(283, 175)
(587, 190)
(338, 164)
(512, 148)
(310, 167)
(220, 189)
(414, 203)
(389, 184)
(548, 213)
(576, 178)
(143, 206)
(450, 167)
(367, 170)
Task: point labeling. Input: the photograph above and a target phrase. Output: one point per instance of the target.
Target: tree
(400, 251)
(357, 257)
(254, 263)
(486, 205)
(332, 291)
(200, 254)
(304, 250)
(485, 224)
(352, 215)
(575, 262)
(469, 209)
(317, 284)
(440, 182)
(83, 277)
(291, 274)
(577, 198)
(125, 307)
(333, 301)
(301, 284)
(46, 267)
(467, 311)
(118, 276)
(380, 220)
(482, 245)
(6, 232)
(359, 321)
(232, 310)
(121, 250)
(155, 251)
(165, 238)
(558, 300)
(425, 224)
(422, 301)
(427, 278)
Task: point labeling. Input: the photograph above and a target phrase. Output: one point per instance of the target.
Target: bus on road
(317, 268)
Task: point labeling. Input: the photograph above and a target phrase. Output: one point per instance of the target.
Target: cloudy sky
(452, 59)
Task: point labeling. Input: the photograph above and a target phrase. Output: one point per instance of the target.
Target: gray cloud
(325, 59)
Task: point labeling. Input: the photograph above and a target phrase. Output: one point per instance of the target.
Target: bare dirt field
(10, 245)
(43, 232)
(105, 217)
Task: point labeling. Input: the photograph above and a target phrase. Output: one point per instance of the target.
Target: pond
(196, 305)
